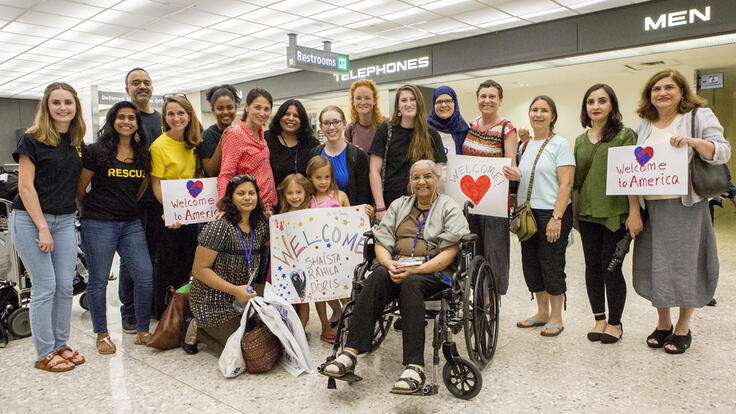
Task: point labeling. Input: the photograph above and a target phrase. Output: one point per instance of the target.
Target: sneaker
(129, 325)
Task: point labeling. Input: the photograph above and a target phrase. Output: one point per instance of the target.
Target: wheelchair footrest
(426, 390)
(349, 378)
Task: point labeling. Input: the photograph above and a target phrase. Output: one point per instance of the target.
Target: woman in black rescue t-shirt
(118, 165)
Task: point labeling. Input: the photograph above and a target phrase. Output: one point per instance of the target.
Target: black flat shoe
(610, 339)
(659, 335)
(680, 342)
(712, 302)
(594, 336)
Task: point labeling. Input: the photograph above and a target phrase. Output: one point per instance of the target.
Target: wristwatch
(556, 217)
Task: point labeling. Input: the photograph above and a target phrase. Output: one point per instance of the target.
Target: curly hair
(376, 116)
(232, 214)
(216, 92)
(108, 139)
(690, 100)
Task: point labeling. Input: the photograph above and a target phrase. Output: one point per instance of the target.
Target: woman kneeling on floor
(226, 261)
(416, 247)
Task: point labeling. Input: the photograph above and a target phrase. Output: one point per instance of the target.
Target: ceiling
(188, 44)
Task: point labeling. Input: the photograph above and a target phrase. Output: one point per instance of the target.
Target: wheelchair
(470, 304)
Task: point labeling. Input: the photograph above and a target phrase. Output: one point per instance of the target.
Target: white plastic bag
(283, 321)
(231, 360)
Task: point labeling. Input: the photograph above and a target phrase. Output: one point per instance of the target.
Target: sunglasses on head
(170, 95)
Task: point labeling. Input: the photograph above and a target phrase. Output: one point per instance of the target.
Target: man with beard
(139, 88)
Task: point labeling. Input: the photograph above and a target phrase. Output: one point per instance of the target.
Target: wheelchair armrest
(469, 238)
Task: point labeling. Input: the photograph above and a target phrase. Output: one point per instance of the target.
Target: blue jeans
(52, 277)
(101, 239)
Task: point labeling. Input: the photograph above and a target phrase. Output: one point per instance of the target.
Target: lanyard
(248, 250)
(296, 155)
(421, 224)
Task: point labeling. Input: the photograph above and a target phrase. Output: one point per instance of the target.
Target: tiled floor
(529, 373)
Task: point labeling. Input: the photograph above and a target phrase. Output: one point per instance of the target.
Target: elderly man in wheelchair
(423, 250)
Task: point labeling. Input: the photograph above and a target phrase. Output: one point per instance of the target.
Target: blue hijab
(454, 125)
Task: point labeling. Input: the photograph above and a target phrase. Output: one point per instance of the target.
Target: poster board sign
(189, 201)
(448, 144)
(480, 180)
(314, 253)
(659, 169)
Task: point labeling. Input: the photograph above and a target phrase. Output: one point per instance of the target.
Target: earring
(399, 114)
(137, 137)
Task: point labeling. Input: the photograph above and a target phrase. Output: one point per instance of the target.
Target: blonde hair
(192, 136)
(377, 118)
(689, 99)
(43, 124)
(320, 161)
(420, 147)
(304, 183)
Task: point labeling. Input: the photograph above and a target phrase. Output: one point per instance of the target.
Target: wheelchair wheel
(462, 378)
(480, 309)
(83, 301)
(19, 323)
(383, 325)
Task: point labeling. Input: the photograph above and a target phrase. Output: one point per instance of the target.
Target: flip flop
(328, 337)
(534, 322)
(548, 326)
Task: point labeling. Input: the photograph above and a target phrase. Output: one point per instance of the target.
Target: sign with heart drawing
(189, 201)
(658, 169)
(480, 180)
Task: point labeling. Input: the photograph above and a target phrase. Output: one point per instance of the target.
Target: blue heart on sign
(194, 187)
(643, 155)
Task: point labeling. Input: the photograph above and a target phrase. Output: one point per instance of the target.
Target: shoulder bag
(708, 180)
(522, 221)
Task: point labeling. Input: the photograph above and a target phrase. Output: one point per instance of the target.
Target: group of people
(393, 167)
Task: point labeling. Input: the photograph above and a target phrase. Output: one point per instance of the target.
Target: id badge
(411, 261)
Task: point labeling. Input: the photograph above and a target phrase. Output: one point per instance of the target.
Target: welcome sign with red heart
(475, 189)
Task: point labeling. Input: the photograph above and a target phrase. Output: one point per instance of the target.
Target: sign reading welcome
(314, 253)
(189, 201)
(647, 170)
(480, 180)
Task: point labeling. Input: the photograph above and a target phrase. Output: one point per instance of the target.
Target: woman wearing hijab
(445, 117)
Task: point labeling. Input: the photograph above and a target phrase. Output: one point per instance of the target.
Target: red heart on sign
(475, 189)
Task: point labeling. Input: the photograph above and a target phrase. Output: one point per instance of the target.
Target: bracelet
(380, 209)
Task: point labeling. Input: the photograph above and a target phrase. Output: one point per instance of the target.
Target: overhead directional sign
(317, 60)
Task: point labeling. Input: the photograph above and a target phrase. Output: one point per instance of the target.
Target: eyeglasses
(170, 95)
(441, 102)
(335, 123)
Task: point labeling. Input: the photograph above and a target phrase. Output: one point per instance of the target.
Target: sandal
(413, 384)
(342, 370)
(534, 323)
(47, 364)
(70, 358)
(328, 337)
(559, 328)
(105, 346)
(142, 338)
(659, 335)
(680, 342)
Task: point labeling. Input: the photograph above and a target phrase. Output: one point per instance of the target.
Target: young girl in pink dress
(326, 194)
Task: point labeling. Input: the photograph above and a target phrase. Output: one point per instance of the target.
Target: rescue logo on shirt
(123, 173)
(79, 150)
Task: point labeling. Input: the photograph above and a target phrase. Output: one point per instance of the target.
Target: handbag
(522, 220)
(261, 349)
(170, 331)
(708, 180)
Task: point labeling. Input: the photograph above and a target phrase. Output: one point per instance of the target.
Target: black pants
(599, 243)
(380, 290)
(174, 265)
(544, 262)
(494, 243)
(150, 214)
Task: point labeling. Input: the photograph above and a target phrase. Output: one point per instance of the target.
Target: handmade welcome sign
(189, 201)
(647, 170)
(314, 253)
(480, 180)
